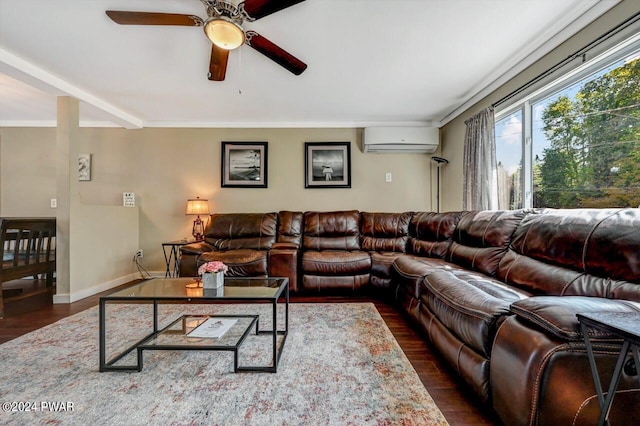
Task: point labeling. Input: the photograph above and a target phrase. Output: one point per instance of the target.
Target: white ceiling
(370, 62)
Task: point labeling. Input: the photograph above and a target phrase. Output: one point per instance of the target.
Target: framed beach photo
(327, 165)
(244, 164)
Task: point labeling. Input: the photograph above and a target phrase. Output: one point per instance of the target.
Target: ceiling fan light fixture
(224, 33)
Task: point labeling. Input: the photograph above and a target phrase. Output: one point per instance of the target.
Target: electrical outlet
(388, 177)
(54, 203)
(140, 253)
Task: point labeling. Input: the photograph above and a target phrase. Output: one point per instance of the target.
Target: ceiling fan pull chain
(240, 66)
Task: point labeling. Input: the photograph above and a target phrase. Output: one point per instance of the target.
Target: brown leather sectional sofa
(496, 292)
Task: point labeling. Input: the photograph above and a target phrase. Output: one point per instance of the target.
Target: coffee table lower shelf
(175, 337)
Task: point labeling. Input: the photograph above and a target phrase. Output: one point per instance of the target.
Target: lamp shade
(224, 33)
(196, 206)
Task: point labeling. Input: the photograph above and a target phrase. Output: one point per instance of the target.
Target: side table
(624, 325)
(172, 258)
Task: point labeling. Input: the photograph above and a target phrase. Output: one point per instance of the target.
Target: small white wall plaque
(128, 199)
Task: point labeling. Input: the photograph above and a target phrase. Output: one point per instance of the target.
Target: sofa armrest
(196, 248)
(539, 358)
(556, 315)
(285, 246)
(283, 262)
(189, 255)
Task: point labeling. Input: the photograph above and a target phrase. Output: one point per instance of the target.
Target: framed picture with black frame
(244, 164)
(327, 165)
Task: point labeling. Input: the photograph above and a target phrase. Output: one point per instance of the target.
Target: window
(578, 140)
(509, 158)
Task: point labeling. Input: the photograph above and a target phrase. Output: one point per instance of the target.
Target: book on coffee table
(213, 328)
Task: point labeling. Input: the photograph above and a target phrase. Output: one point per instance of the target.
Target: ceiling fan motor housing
(217, 8)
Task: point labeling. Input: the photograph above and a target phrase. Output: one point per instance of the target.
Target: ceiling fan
(223, 27)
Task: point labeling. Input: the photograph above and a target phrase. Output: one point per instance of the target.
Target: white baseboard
(74, 297)
(59, 299)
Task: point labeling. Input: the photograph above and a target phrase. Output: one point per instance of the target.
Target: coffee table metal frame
(281, 291)
(213, 345)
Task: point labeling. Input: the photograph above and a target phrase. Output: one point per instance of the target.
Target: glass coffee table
(175, 336)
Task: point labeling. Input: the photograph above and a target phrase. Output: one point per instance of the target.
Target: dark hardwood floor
(453, 398)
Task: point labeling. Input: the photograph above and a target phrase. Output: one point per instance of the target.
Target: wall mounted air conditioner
(422, 140)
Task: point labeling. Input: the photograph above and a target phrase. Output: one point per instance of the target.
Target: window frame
(630, 47)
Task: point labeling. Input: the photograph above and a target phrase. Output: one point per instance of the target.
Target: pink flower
(215, 266)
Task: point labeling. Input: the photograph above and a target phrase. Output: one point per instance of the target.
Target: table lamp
(196, 206)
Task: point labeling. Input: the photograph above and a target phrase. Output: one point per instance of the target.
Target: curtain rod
(579, 53)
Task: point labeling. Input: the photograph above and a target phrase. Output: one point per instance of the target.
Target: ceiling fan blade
(218, 63)
(153, 18)
(257, 9)
(275, 53)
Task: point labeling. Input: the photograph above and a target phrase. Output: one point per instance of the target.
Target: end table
(624, 325)
(172, 257)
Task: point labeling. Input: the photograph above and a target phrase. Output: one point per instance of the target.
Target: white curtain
(480, 168)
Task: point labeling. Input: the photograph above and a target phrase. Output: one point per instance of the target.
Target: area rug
(340, 366)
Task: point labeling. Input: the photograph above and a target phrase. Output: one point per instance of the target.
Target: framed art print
(84, 167)
(244, 164)
(327, 165)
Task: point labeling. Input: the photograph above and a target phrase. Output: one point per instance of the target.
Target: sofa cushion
(384, 231)
(614, 251)
(579, 252)
(382, 263)
(381, 266)
(232, 231)
(332, 230)
(241, 263)
(557, 315)
(430, 233)
(351, 283)
(481, 238)
(472, 367)
(542, 278)
(332, 263)
(290, 227)
(408, 271)
(470, 305)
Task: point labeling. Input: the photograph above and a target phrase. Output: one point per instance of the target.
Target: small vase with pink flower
(212, 274)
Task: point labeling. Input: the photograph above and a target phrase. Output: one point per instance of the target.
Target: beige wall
(27, 172)
(452, 134)
(165, 167)
(101, 255)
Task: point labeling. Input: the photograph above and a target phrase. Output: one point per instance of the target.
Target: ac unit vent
(422, 140)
